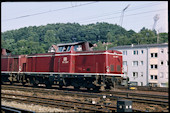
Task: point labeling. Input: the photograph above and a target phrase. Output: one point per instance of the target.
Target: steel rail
(127, 93)
(9, 109)
(60, 102)
(65, 103)
(139, 94)
(83, 94)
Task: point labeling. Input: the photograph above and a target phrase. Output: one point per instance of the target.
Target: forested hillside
(33, 39)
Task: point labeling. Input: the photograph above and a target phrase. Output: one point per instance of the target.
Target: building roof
(140, 46)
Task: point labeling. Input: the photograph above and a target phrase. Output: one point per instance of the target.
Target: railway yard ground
(41, 99)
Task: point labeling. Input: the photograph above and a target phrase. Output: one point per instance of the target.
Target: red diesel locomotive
(70, 64)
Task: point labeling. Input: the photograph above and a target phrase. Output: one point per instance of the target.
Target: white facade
(146, 64)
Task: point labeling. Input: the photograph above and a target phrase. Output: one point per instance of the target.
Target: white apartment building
(145, 64)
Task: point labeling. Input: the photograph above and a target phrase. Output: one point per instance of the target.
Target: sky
(131, 15)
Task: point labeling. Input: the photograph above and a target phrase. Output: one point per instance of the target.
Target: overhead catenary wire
(72, 7)
(49, 11)
(124, 15)
(107, 15)
(119, 11)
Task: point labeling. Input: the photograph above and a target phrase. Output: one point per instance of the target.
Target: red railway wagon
(71, 64)
(40, 62)
(13, 63)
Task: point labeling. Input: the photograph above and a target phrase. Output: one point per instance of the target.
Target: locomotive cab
(77, 46)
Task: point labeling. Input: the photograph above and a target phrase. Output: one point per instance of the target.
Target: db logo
(65, 60)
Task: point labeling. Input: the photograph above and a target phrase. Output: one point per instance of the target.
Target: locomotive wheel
(77, 87)
(35, 84)
(48, 85)
(60, 86)
(88, 89)
(107, 87)
(23, 83)
(96, 88)
(11, 83)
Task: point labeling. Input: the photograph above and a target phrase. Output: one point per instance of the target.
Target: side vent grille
(112, 67)
(118, 68)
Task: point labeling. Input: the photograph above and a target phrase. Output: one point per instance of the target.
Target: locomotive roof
(75, 43)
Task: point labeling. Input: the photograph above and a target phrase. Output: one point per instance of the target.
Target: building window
(154, 77)
(163, 84)
(141, 83)
(141, 74)
(154, 66)
(141, 51)
(162, 62)
(124, 63)
(124, 52)
(135, 63)
(151, 54)
(135, 74)
(141, 62)
(135, 52)
(154, 55)
(161, 75)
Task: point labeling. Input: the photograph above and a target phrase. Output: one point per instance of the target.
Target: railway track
(9, 109)
(146, 88)
(135, 97)
(127, 94)
(79, 106)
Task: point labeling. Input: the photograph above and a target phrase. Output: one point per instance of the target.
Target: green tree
(49, 38)
(148, 36)
(109, 37)
(32, 39)
(163, 38)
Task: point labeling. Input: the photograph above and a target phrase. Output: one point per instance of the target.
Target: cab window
(78, 48)
(60, 49)
(68, 48)
(64, 48)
